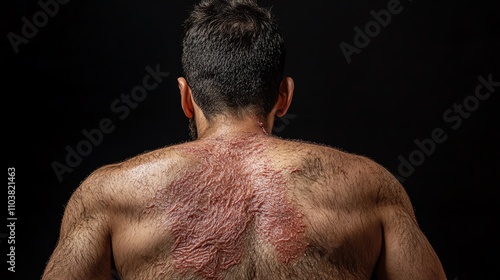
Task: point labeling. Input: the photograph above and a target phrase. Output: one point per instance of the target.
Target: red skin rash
(209, 208)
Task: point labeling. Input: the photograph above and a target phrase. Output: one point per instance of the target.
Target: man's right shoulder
(342, 171)
(327, 153)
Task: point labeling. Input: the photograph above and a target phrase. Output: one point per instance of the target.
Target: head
(233, 62)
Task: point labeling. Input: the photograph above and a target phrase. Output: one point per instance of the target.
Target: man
(238, 202)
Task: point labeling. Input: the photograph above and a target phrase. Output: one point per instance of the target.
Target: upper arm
(83, 250)
(406, 252)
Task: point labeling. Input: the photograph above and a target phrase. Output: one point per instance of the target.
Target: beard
(193, 133)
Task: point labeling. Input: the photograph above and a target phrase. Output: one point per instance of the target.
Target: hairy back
(253, 207)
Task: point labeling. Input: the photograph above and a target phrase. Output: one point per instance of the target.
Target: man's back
(237, 203)
(250, 207)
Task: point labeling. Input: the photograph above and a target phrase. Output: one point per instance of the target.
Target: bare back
(252, 207)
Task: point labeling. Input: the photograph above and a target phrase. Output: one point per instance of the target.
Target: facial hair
(193, 133)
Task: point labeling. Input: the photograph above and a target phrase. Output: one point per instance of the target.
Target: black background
(396, 90)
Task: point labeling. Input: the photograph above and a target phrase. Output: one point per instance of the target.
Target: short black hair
(233, 57)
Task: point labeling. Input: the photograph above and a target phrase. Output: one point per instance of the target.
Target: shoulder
(350, 175)
(353, 165)
(130, 179)
(375, 187)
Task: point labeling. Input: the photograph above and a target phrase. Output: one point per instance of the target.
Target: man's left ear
(186, 97)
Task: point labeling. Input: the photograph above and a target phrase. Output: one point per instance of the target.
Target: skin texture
(209, 208)
(240, 203)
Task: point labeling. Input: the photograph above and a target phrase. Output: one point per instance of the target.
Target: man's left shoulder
(130, 174)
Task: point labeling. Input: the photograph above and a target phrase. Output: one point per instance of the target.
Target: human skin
(240, 203)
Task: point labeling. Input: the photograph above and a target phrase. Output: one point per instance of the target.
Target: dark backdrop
(65, 78)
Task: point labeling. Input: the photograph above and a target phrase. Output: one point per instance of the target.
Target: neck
(228, 126)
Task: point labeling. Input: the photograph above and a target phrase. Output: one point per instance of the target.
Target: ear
(285, 95)
(186, 98)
